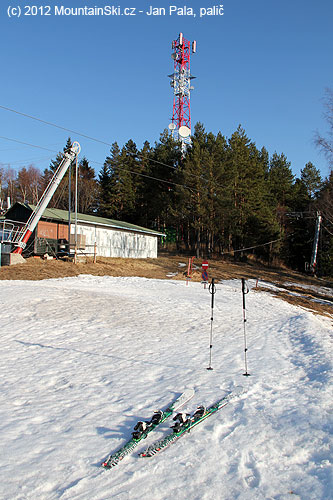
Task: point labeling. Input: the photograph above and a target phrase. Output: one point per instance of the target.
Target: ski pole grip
(212, 290)
(243, 292)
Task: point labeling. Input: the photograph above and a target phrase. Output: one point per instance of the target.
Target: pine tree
(311, 178)
(123, 182)
(280, 179)
(106, 188)
(193, 195)
(87, 187)
(220, 195)
(118, 183)
(45, 179)
(60, 199)
(251, 218)
(280, 183)
(299, 228)
(215, 211)
(144, 197)
(165, 159)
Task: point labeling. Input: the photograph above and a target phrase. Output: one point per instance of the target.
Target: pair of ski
(181, 427)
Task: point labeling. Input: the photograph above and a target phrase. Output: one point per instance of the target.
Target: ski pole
(212, 291)
(244, 292)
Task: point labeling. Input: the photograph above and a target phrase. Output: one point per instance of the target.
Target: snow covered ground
(83, 359)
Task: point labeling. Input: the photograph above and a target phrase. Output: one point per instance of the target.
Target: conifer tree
(280, 179)
(299, 228)
(60, 199)
(144, 197)
(251, 219)
(165, 159)
(87, 187)
(311, 178)
(215, 212)
(106, 185)
(45, 178)
(124, 182)
(220, 195)
(193, 194)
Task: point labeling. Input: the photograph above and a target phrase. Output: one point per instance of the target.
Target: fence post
(95, 252)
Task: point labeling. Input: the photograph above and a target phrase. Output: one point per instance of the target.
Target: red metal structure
(181, 83)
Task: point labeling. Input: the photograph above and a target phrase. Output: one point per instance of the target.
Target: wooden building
(93, 235)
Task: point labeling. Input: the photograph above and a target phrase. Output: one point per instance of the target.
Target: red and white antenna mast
(180, 125)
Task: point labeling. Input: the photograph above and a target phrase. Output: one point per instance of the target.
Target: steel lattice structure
(181, 84)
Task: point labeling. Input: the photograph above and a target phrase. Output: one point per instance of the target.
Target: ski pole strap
(243, 287)
(212, 290)
(245, 290)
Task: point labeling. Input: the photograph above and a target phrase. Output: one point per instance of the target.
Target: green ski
(142, 429)
(185, 423)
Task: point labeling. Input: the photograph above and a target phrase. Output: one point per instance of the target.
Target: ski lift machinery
(23, 236)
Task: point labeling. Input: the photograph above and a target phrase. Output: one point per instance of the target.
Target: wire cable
(150, 177)
(123, 169)
(256, 246)
(54, 125)
(27, 144)
(99, 163)
(28, 160)
(92, 139)
(329, 232)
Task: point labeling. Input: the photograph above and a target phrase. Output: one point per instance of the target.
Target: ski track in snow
(83, 359)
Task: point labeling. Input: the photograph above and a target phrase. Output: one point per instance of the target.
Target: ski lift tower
(181, 77)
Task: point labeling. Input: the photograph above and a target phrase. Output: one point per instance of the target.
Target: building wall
(117, 243)
(52, 230)
(110, 242)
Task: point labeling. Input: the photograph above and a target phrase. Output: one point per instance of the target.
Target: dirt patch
(319, 300)
(305, 300)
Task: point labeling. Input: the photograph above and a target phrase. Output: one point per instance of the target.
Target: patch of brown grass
(167, 267)
(305, 300)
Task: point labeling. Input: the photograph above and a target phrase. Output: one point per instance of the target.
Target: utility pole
(315, 244)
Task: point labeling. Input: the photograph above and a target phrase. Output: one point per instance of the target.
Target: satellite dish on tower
(172, 126)
(76, 147)
(184, 131)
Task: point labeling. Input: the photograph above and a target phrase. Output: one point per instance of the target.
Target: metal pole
(246, 374)
(76, 185)
(212, 291)
(315, 244)
(69, 206)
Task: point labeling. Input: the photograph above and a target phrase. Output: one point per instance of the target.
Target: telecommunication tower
(181, 77)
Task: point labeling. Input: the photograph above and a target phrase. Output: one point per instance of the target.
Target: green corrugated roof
(62, 216)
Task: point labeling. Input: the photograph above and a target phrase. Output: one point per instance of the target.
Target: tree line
(223, 196)
(28, 184)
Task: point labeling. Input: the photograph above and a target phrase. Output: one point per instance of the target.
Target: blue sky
(264, 64)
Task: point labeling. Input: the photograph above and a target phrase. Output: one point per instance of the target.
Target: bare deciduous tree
(325, 144)
(28, 182)
(34, 187)
(9, 183)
